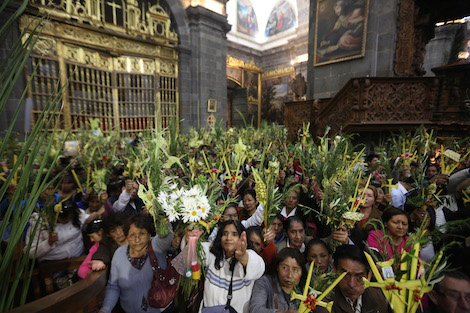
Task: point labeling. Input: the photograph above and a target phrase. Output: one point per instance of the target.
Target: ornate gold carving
(86, 56)
(45, 46)
(103, 41)
(134, 65)
(167, 68)
(150, 21)
(236, 63)
(278, 73)
(29, 22)
(140, 61)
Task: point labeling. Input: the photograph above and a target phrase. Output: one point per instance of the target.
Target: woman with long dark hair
(230, 266)
(65, 241)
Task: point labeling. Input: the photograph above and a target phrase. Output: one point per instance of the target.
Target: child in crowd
(95, 232)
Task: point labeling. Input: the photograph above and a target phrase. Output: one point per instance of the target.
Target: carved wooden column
(405, 38)
(415, 29)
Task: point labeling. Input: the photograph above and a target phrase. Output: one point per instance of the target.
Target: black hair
(70, 207)
(371, 156)
(114, 220)
(454, 274)
(279, 217)
(438, 168)
(293, 219)
(254, 230)
(90, 196)
(94, 226)
(251, 192)
(391, 212)
(140, 220)
(350, 252)
(216, 247)
(230, 205)
(114, 185)
(315, 242)
(290, 253)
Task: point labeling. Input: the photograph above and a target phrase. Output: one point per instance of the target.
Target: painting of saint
(246, 18)
(251, 84)
(282, 18)
(276, 91)
(340, 32)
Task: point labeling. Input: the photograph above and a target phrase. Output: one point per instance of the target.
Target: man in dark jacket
(350, 295)
(451, 295)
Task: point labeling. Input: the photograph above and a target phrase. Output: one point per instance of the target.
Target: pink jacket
(85, 267)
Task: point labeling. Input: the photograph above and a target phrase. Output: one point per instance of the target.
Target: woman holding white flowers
(230, 266)
(131, 270)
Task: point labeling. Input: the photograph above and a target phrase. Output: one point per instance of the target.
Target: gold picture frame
(340, 31)
(212, 105)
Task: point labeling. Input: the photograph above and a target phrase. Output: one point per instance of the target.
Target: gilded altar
(115, 61)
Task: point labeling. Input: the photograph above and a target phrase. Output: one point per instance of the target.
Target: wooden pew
(48, 268)
(84, 296)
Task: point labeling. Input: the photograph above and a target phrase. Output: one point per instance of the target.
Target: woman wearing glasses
(272, 293)
(131, 270)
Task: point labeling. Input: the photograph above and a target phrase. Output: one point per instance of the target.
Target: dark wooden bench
(48, 268)
(84, 296)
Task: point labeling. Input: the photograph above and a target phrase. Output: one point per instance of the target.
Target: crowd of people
(250, 266)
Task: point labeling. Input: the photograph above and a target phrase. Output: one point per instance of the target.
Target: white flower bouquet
(190, 206)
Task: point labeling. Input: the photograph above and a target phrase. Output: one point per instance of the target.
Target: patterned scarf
(137, 262)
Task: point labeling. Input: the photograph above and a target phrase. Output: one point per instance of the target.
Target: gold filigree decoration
(44, 46)
(103, 41)
(278, 73)
(85, 56)
(167, 68)
(149, 21)
(29, 22)
(236, 63)
(135, 65)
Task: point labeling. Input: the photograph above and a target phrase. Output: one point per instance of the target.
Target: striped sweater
(218, 281)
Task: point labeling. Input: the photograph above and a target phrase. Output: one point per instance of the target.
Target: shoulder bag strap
(152, 256)
(229, 295)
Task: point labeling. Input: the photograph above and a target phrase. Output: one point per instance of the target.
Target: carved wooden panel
(295, 115)
(397, 101)
(367, 102)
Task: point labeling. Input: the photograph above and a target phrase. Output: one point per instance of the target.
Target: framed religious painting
(340, 30)
(276, 91)
(250, 82)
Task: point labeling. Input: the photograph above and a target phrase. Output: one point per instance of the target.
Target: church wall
(438, 48)
(326, 80)
(208, 66)
(13, 101)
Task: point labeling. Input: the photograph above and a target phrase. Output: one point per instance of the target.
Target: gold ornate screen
(125, 73)
(45, 82)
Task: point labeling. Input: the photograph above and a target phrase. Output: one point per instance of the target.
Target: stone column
(207, 62)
